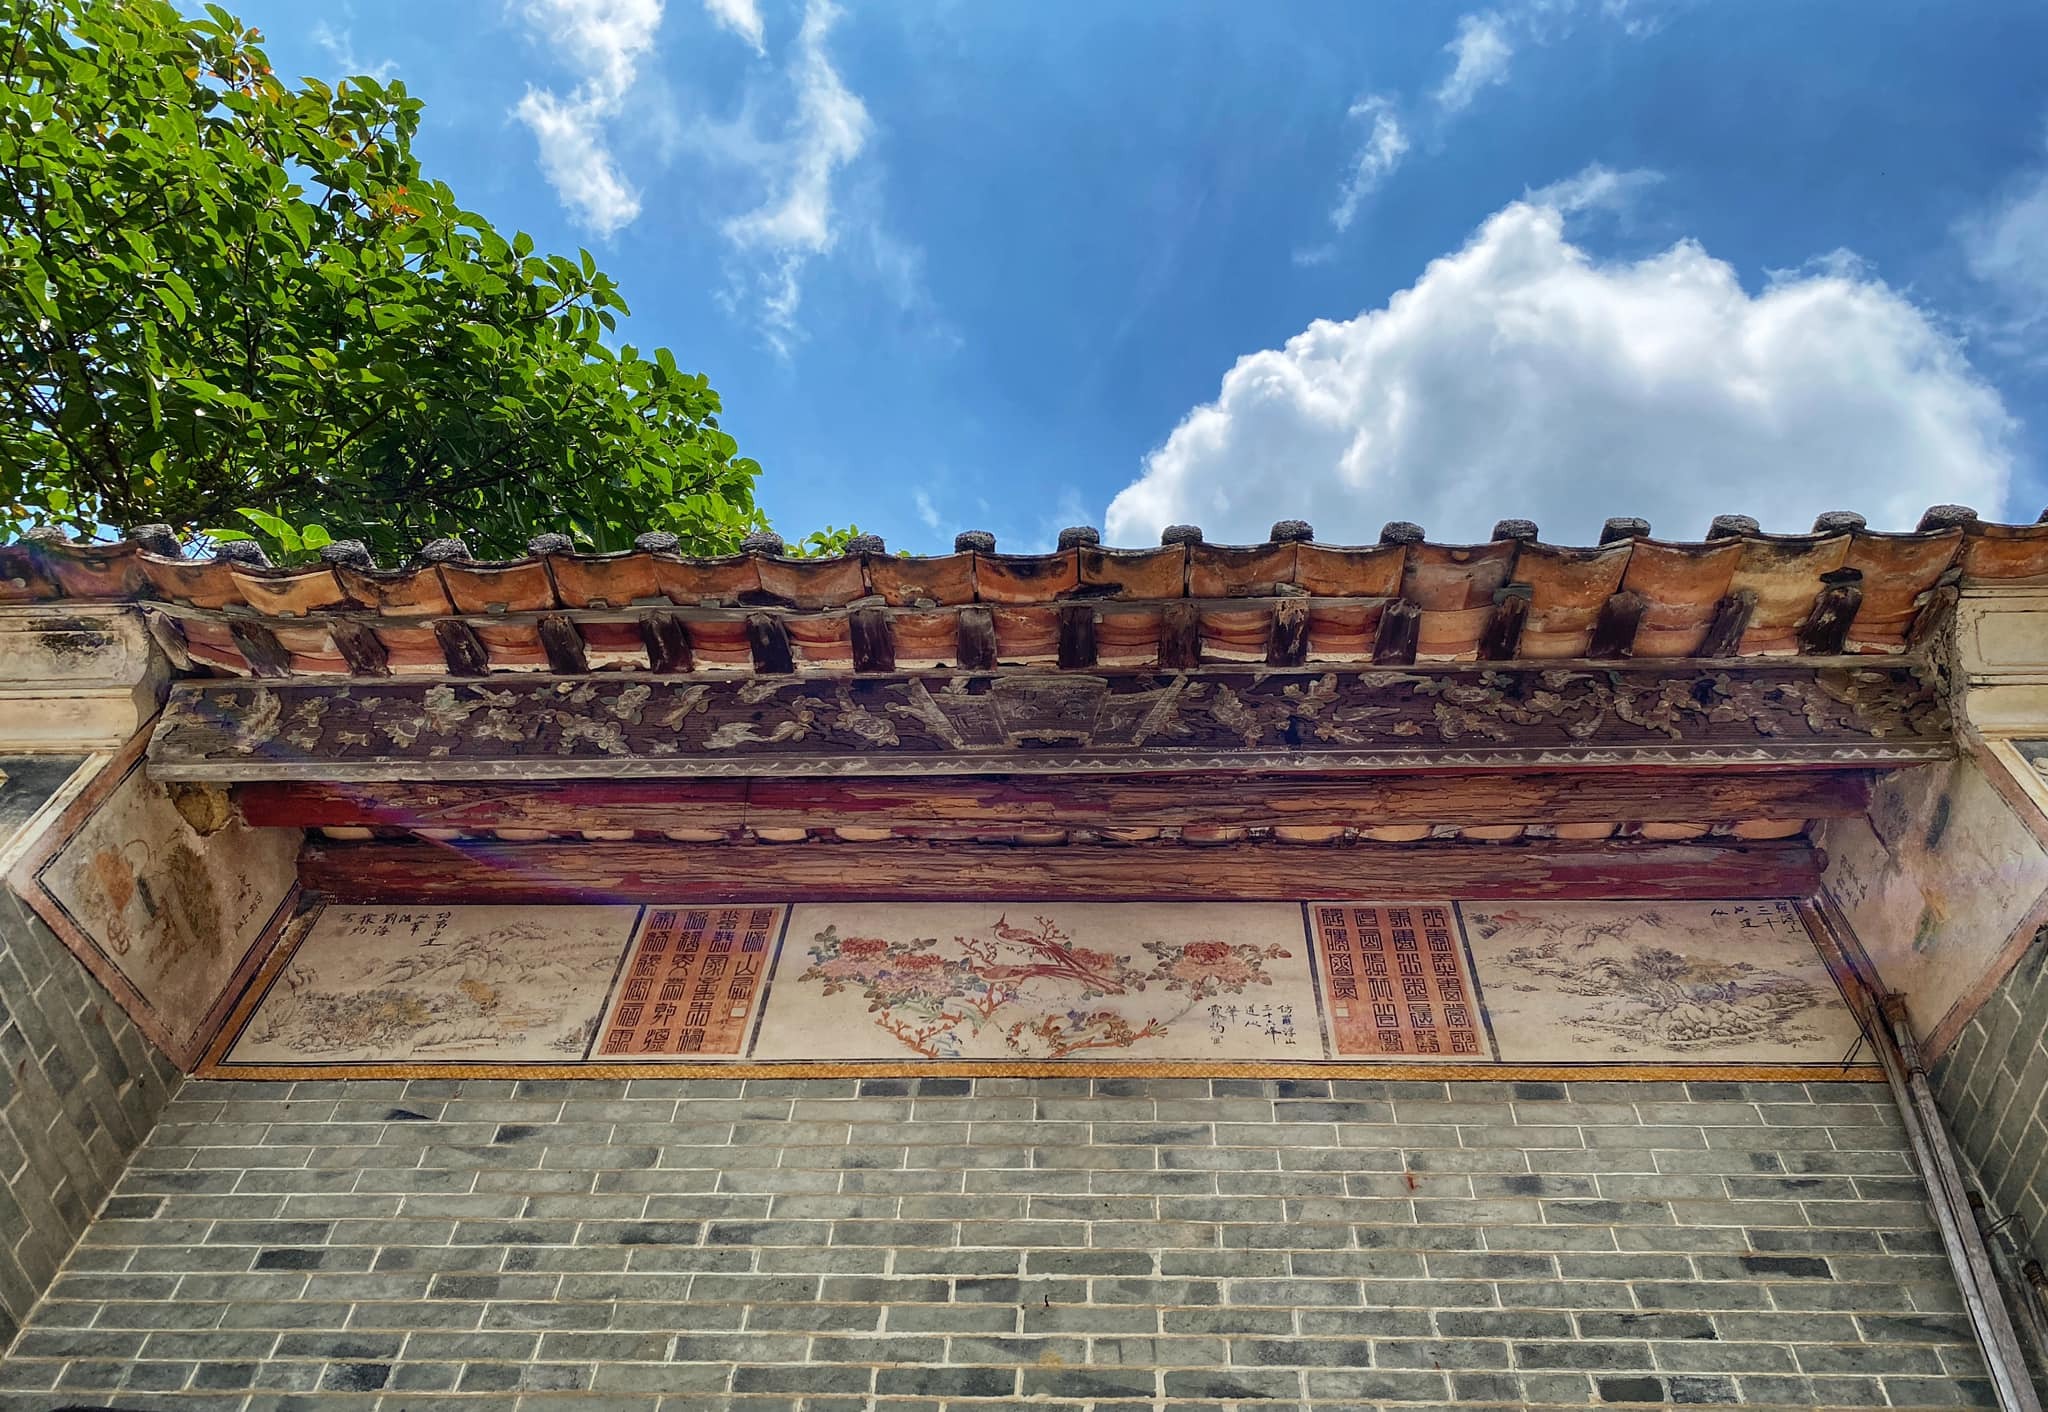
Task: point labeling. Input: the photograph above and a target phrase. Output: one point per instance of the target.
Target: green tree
(221, 292)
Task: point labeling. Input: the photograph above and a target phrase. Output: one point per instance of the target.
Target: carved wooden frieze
(598, 726)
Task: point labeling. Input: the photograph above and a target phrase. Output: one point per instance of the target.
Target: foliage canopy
(221, 292)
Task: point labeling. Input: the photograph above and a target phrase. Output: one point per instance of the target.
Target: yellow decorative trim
(1003, 1069)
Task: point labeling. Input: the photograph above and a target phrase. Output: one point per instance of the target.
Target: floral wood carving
(612, 726)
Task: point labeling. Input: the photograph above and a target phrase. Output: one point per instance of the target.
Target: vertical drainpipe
(1885, 1026)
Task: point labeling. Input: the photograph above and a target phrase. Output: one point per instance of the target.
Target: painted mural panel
(1735, 982)
(172, 910)
(1935, 880)
(1395, 983)
(1435, 982)
(691, 983)
(1042, 980)
(407, 984)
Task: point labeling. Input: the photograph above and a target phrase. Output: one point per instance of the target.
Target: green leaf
(262, 298)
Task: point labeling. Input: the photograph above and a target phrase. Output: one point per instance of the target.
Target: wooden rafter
(1130, 801)
(422, 871)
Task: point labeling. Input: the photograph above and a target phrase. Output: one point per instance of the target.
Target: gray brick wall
(1059, 1243)
(1993, 1086)
(80, 1089)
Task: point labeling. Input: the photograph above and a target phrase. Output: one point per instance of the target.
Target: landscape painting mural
(503, 984)
(1705, 982)
(1043, 980)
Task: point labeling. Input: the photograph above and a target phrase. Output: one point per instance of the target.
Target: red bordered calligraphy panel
(692, 981)
(1395, 981)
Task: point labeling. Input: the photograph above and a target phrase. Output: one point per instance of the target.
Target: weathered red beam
(424, 871)
(1127, 801)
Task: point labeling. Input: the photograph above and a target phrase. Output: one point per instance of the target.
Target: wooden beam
(1124, 801)
(769, 640)
(462, 648)
(563, 643)
(1180, 636)
(668, 645)
(425, 872)
(361, 648)
(1400, 633)
(169, 634)
(874, 640)
(975, 640)
(1851, 713)
(1826, 629)
(259, 646)
(1077, 636)
(1731, 621)
(1938, 612)
(1614, 632)
(1288, 645)
(1503, 637)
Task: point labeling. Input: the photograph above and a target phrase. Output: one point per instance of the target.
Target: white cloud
(1482, 50)
(1595, 187)
(1386, 142)
(797, 220)
(339, 45)
(742, 17)
(604, 41)
(927, 511)
(1640, 18)
(2006, 245)
(1524, 376)
(577, 162)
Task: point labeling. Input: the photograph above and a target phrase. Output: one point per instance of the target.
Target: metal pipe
(1892, 1038)
(2020, 1296)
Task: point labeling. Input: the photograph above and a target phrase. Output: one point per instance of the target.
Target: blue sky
(967, 265)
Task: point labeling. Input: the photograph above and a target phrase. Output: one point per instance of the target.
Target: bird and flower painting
(1048, 981)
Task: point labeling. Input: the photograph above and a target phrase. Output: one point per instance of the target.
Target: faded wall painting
(169, 909)
(1935, 880)
(1043, 980)
(1707, 982)
(903, 984)
(405, 984)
